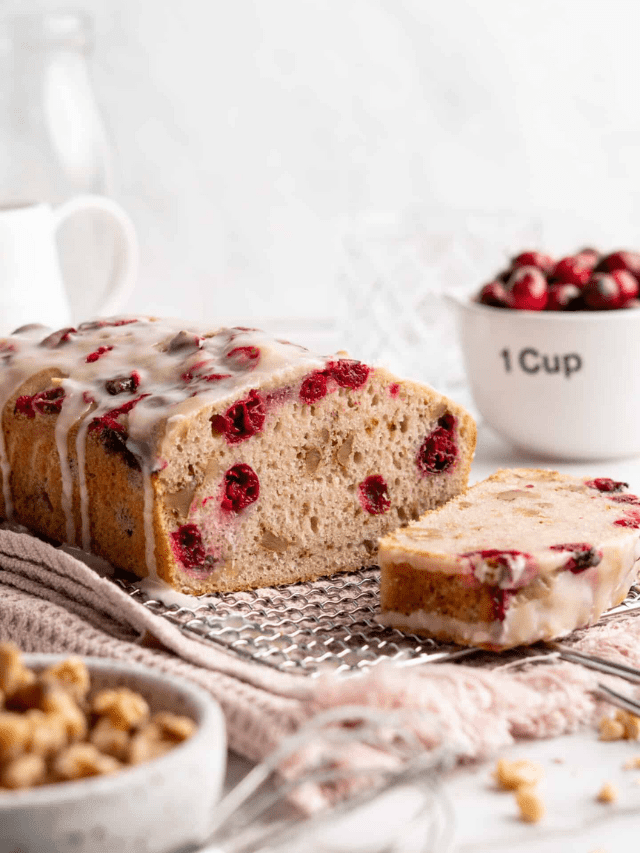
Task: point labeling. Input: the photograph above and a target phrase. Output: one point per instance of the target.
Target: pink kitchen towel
(52, 602)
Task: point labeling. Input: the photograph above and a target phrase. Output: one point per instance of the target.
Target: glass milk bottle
(53, 143)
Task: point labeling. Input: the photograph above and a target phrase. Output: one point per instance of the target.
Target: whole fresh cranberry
(527, 289)
(349, 373)
(628, 261)
(188, 547)
(374, 495)
(607, 291)
(533, 259)
(241, 488)
(588, 254)
(494, 293)
(572, 270)
(562, 297)
(584, 556)
(629, 287)
(439, 451)
(606, 484)
(242, 420)
(314, 387)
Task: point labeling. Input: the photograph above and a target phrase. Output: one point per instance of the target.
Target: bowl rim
(468, 303)
(210, 720)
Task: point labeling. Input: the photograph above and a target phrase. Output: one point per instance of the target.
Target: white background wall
(248, 132)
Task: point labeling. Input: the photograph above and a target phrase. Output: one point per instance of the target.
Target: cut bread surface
(525, 555)
(218, 460)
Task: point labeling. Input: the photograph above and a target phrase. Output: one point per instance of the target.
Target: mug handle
(127, 250)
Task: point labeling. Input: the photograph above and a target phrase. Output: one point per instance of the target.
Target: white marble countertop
(575, 767)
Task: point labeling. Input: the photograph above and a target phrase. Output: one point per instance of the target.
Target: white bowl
(564, 385)
(160, 806)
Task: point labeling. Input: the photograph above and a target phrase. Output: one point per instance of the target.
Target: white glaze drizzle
(180, 371)
(73, 410)
(81, 443)
(149, 535)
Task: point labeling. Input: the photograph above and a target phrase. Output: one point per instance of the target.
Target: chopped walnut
(71, 674)
(124, 708)
(13, 673)
(624, 726)
(58, 701)
(14, 734)
(81, 760)
(611, 729)
(50, 731)
(148, 743)
(607, 794)
(25, 771)
(174, 726)
(630, 723)
(512, 775)
(109, 739)
(632, 763)
(532, 808)
(47, 732)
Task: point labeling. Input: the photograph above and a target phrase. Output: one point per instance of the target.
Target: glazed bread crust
(219, 460)
(526, 555)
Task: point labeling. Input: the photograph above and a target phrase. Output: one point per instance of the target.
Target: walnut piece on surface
(608, 793)
(512, 775)
(53, 730)
(521, 777)
(624, 726)
(630, 723)
(610, 729)
(530, 803)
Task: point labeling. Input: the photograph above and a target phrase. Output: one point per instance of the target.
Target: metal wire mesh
(328, 625)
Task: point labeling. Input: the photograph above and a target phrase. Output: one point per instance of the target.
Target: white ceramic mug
(31, 285)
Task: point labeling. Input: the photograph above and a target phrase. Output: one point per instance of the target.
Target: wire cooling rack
(328, 625)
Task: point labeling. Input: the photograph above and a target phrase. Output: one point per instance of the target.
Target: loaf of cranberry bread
(525, 555)
(217, 460)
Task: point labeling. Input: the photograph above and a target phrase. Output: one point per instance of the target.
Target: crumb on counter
(512, 775)
(531, 805)
(521, 776)
(608, 793)
(632, 763)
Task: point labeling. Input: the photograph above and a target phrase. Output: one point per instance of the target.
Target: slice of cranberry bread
(217, 460)
(525, 555)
